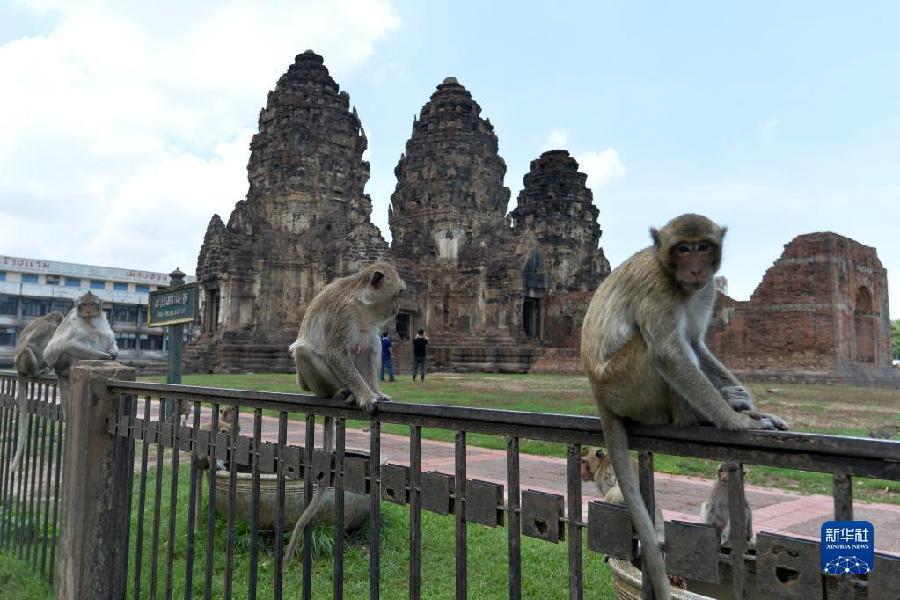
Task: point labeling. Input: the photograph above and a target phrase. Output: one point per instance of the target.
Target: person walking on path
(420, 353)
(387, 363)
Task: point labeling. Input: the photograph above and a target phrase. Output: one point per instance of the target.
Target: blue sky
(774, 118)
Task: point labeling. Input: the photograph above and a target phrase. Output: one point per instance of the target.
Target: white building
(31, 288)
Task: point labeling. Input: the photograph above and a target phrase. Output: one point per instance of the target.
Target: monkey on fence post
(338, 351)
(84, 334)
(643, 348)
(29, 361)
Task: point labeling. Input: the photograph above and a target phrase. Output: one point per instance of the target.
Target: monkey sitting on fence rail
(338, 351)
(643, 348)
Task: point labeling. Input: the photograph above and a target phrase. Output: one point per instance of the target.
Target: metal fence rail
(781, 567)
(29, 497)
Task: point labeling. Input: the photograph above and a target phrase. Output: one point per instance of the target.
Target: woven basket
(626, 580)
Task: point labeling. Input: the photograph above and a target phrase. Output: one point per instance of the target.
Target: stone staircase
(210, 355)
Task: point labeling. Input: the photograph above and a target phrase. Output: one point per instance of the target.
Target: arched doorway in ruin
(534, 292)
(864, 325)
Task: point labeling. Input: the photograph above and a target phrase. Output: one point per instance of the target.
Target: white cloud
(125, 127)
(602, 168)
(557, 140)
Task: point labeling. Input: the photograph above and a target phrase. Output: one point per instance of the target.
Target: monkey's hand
(738, 398)
(758, 420)
(769, 421)
(382, 397)
(368, 404)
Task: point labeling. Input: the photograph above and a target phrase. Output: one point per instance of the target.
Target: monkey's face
(694, 263)
(88, 310)
(54, 317)
(590, 462)
(384, 289)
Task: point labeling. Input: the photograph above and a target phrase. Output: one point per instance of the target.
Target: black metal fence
(778, 567)
(29, 507)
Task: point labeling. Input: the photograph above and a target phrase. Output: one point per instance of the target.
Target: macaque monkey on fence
(29, 361)
(643, 348)
(714, 510)
(338, 350)
(84, 334)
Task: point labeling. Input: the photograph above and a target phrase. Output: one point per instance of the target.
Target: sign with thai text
(173, 306)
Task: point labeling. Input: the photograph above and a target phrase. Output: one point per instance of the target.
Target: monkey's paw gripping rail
(112, 413)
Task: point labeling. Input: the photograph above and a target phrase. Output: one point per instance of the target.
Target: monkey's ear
(654, 233)
(724, 231)
(377, 279)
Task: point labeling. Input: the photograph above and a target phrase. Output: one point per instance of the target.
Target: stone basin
(356, 506)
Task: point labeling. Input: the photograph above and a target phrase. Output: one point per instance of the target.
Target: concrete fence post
(94, 519)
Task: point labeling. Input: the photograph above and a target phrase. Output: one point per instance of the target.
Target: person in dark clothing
(387, 363)
(420, 353)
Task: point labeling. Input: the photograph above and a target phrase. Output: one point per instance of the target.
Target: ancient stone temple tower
(557, 216)
(305, 221)
(558, 235)
(820, 314)
(452, 239)
(449, 181)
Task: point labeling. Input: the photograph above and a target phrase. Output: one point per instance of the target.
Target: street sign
(173, 306)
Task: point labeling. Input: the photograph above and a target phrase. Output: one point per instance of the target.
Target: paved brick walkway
(773, 510)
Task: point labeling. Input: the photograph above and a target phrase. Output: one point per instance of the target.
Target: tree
(895, 337)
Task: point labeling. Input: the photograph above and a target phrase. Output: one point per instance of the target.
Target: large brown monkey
(642, 344)
(29, 360)
(338, 350)
(714, 510)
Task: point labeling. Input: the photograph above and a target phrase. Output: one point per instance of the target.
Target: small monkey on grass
(338, 350)
(643, 348)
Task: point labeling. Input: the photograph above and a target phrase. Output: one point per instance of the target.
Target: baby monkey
(715, 510)
(597, 467)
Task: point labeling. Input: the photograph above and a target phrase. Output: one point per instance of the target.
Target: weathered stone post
(94, 515)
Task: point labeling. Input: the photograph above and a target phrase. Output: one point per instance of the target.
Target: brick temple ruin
(820, 314)
(491, 288)
(496, 290)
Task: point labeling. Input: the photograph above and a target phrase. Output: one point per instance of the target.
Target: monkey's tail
(617, 445)
(23, 426)
(314, 504)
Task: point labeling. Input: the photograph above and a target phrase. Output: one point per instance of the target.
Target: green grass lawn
(17, 581)
(832, 409)
(544, 565)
